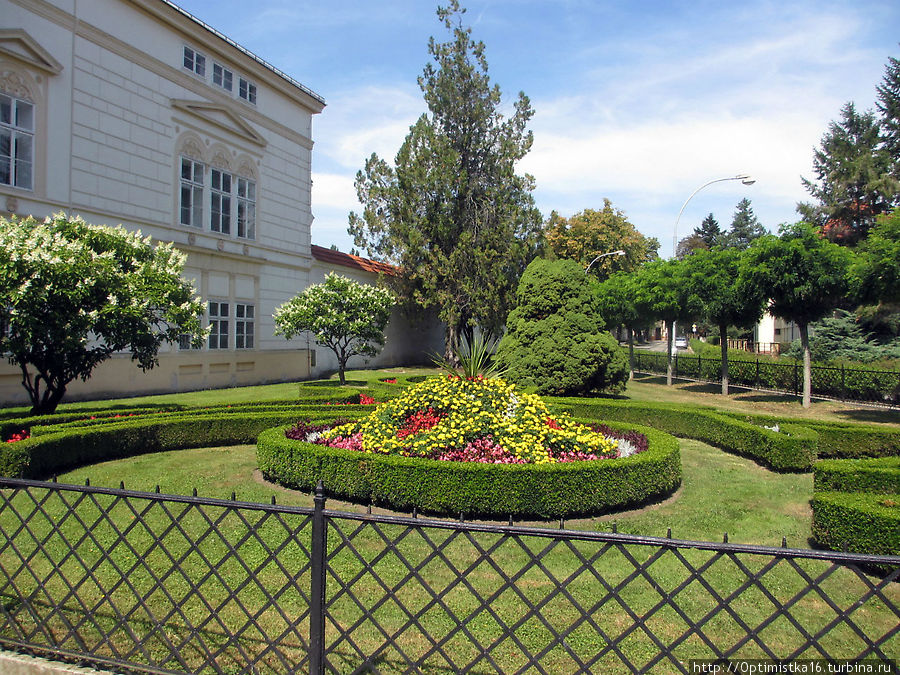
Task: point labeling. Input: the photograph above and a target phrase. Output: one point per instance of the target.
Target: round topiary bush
(477, 446)
(555, 339)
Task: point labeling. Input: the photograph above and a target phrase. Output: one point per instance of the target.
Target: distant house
(135, 112)
(773, 335)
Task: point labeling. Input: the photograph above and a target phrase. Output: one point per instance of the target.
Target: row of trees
(745, 228)
(798, 276)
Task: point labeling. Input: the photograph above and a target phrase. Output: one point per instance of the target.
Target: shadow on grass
(767, 398)
(333, 383)
(890, 416)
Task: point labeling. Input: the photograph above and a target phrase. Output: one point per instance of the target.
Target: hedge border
(562, 489)
(55, 450)
(881, 475)
(861, 521)
(794, 449)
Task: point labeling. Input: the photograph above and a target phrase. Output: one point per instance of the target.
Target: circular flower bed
(452, 445)
(474, 420)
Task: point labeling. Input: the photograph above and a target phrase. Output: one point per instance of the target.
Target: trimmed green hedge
(54, 449)
(864, 522)
(792, 449)
(839, 439)
(880, 475)
(402, 483)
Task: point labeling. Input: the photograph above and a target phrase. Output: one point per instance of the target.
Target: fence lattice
(164, 584)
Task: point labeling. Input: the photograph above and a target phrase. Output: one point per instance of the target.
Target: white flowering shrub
(347, 317)
(71, 294)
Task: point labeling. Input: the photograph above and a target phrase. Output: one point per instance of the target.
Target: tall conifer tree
(451, 212)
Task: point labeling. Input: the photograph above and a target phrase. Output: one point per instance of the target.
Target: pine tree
(745, 227)
(709, 231)
(888, 105)
(853, 182)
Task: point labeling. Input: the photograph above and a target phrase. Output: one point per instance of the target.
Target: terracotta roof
(333, 257)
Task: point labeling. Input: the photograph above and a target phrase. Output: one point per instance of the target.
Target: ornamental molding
(16, 85)
(16, 44)
(222, 117)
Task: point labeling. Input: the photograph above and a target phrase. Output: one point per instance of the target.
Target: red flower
(552, 423)
(421, 420)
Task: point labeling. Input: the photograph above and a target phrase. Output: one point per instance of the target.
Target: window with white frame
(192, 182)
(222, 77)
(246, 208)
(247, 90)
(244, 322)
(218, 325)
(227, 202)
(220, 202)
(195, 62)
(16, 142)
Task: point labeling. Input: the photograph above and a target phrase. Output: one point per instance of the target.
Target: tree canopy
(346, 316)
(876, 272)
(745, 227)
(451, 212)
(72, 294)
(804, 276)
(709, 280)
(853, 184)
(591, 232)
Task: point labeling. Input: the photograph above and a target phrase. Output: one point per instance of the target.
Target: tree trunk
(807, 365)
(670, 329)
(342, 366)
(630, 354)
(451, 344)
(723, 339)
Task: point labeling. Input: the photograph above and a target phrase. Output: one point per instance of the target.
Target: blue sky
(637, 101)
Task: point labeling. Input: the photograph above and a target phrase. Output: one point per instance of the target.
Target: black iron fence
(851, 384)
(168, 584)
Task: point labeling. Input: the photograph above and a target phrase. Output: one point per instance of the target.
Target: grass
(721, 493)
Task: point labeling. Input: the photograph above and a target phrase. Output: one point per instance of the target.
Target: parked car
(681, 343)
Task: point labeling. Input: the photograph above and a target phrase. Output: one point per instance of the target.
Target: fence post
(317, 585)
(843, 384)
(795, 379)
(756, 379)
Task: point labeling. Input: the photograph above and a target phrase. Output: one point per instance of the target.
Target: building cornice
(183, 79)
(186, 23)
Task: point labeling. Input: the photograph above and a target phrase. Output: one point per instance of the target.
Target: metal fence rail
(164, 584)
(850, 384)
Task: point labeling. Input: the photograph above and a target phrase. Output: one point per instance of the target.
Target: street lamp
(602, 255)
(743, 177)
(746, 180)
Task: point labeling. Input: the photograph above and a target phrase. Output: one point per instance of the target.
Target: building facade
(134, 112)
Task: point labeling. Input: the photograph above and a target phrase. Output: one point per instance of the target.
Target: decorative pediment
(19, 45)
(222, 117)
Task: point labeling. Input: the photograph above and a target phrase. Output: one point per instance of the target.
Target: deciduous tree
(451, 212)
(803, 275)
(710, 281)
(593, 232)
(346, 316)
(661, 289)
(72, 294)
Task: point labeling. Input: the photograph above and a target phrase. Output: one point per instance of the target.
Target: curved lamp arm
(743, 177)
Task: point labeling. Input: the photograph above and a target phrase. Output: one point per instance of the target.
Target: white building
(135, 112)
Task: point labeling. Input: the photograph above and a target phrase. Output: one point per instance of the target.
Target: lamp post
(746, 180)
(743, 177)
(602, 255)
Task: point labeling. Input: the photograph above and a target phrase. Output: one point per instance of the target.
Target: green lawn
(720, 493)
